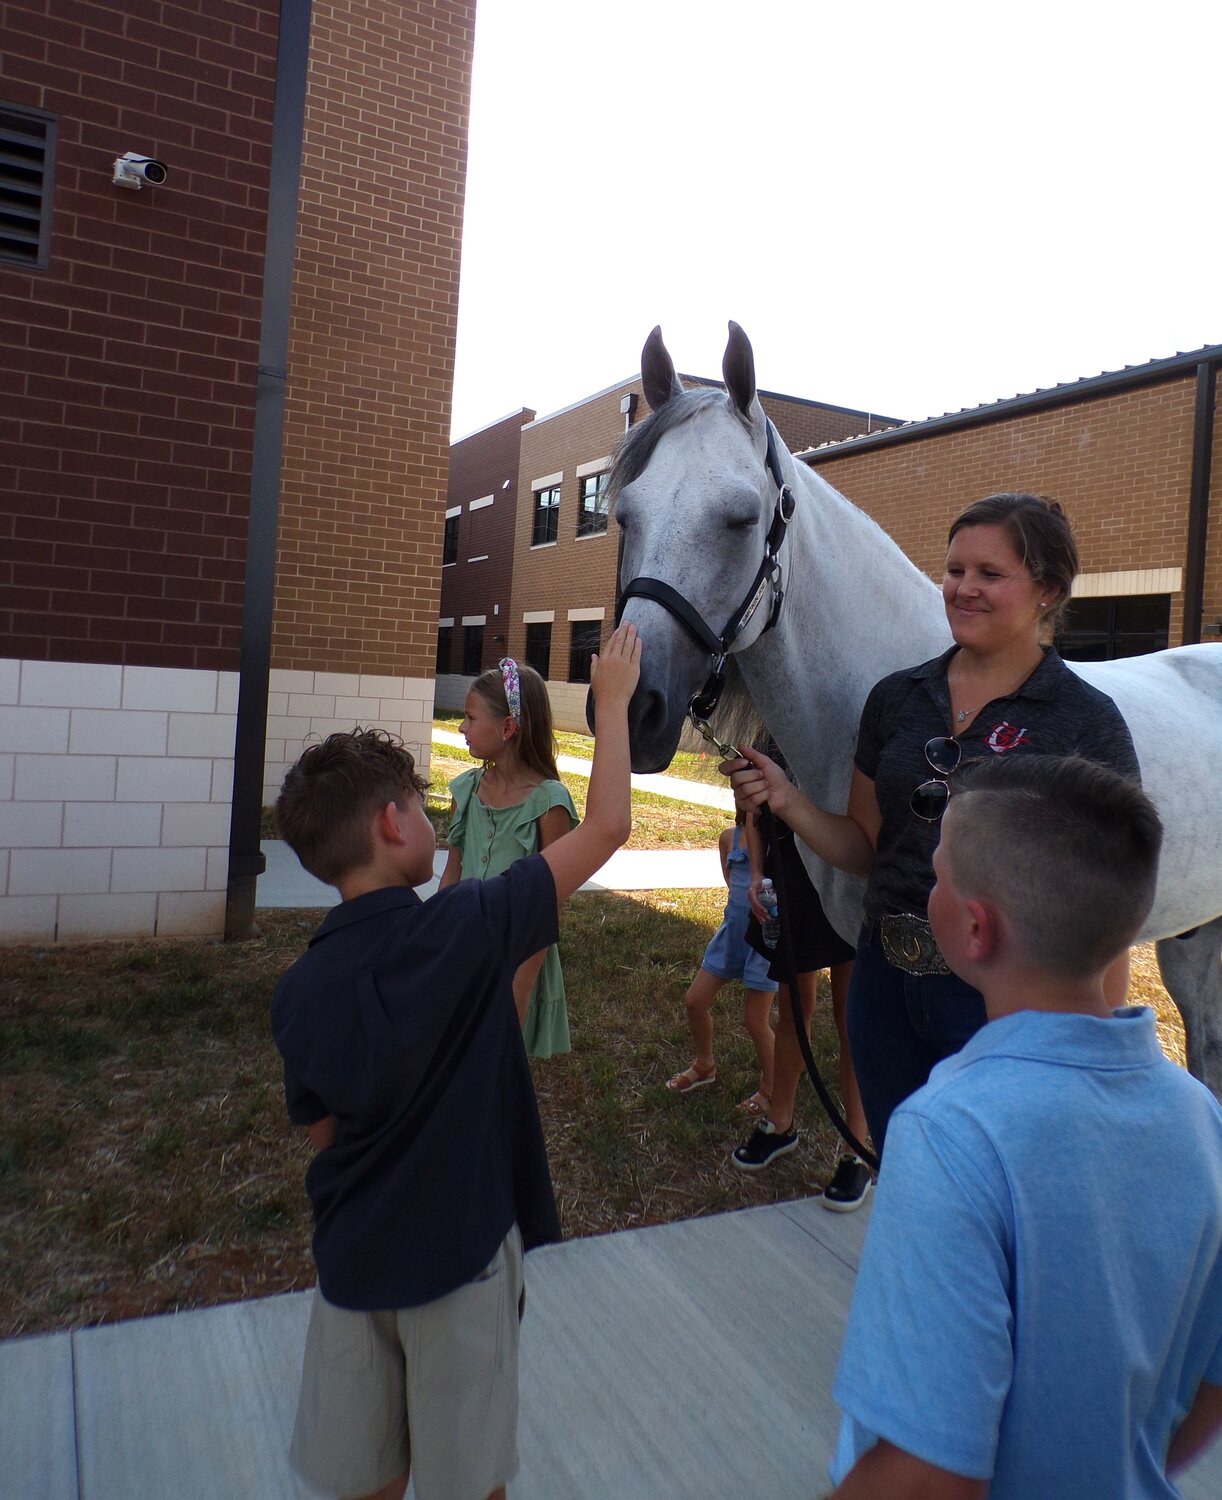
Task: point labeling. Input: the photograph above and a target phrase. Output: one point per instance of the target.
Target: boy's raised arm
(608, 820)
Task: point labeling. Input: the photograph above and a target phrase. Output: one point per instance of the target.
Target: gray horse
(694, 499)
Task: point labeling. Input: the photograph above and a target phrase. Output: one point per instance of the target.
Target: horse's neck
(855, 609)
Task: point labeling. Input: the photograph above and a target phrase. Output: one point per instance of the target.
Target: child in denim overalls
(728, 957)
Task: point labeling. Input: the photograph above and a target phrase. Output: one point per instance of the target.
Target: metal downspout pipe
(246, 860)
(1198, 502)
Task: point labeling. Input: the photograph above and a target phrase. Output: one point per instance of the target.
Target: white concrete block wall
(304, 707)
(115, 786)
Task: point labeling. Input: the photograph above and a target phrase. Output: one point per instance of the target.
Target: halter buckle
(727, 752)
(703, 704)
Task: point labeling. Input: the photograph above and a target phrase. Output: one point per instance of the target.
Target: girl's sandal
(691, 1078)
(757, 1105)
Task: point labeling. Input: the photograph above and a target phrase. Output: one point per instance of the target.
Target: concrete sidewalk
(638, 1380)
(692, 1361)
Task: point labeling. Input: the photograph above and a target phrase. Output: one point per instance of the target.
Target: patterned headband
(513, 688)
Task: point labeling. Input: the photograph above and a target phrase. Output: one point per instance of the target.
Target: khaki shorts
(431, 1388)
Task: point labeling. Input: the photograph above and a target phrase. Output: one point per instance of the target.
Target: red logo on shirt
(1005, 737)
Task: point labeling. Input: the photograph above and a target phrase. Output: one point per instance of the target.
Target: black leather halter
(768, 575)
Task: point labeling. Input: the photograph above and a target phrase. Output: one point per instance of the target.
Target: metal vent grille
(27, 159)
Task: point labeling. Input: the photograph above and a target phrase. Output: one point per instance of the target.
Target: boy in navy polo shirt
(403, 1058)
(1025, 1323)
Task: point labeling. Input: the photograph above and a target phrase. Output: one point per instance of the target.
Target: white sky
(909, 207)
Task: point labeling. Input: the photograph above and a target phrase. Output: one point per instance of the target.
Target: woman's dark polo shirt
(399, 1020)
(1053, 713)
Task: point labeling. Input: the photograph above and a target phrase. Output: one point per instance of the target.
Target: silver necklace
(968, 713)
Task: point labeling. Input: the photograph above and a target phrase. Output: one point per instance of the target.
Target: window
(539, 648)
(472, 650)
(584, 644)
(479, 530)
(546, 522)
(445, 648)
(1101, 629)
(449, 546)
(592, 516)
(27, 161)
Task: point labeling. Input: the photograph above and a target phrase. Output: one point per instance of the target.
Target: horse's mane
(637, 445)
(737, 720)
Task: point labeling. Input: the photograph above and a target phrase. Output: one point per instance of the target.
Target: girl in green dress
(512, 806)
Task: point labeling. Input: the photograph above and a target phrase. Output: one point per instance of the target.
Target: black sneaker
(850, 1186)
(763, 1146)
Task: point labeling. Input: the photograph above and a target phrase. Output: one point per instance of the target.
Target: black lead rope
(789, 962)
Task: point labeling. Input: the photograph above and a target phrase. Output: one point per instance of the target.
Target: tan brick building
(371, 365)
(138, 456)
(563, 549)
(1133, 457)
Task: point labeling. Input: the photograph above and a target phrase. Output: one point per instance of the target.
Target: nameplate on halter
(755, 603)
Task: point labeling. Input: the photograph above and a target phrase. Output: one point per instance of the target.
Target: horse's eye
(744, 525)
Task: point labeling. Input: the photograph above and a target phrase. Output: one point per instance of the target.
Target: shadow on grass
(625, 1150)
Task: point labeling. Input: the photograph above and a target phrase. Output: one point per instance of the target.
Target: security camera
(133, 170)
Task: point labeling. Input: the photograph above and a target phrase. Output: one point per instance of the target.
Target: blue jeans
(900, 1025)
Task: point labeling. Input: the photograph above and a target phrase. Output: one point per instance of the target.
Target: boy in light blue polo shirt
(1038, 1314)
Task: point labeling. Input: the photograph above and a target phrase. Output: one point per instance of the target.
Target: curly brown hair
(333, 791)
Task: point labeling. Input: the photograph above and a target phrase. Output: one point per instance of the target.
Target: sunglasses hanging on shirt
(929, 800)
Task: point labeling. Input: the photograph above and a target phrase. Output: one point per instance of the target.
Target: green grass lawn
(657, 822)
(688, 764)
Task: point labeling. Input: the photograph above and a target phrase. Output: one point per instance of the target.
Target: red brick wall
(1120, 464)
(372, 343)
(481, 465)
(806, 424)
(127, 367)
(1211, 613)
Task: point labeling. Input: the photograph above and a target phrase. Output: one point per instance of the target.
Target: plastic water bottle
(770, 929)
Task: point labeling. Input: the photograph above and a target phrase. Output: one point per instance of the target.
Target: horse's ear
(738, 370)
(658, 372)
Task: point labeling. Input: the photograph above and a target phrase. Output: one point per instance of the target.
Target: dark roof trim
(848, 411)
(1156, 372)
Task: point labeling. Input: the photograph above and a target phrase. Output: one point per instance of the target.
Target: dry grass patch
(146, 1163)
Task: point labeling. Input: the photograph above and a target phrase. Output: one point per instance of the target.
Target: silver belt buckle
(909, 944)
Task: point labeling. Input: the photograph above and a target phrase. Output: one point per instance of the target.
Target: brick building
(477, 553)
(140, 364)
(564, 552)
(1130, 455)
